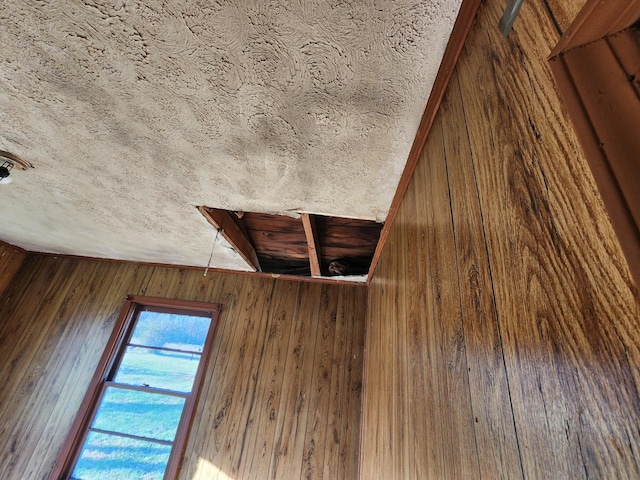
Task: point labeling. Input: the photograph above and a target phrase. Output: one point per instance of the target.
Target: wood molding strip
(597, 19)
(313, 244)
(466, 16)
(14, 247)
(281, 276)
(221, 219)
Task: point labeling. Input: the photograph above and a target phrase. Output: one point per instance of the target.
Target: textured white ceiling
(134, 112)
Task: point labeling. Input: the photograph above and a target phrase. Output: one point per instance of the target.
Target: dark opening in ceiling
(344, 246)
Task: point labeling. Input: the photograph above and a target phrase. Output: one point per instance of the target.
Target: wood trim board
(310, 230)
(596, 68)
(597, 19)
(221, 219)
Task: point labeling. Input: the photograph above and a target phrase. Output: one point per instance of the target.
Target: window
(136, 415)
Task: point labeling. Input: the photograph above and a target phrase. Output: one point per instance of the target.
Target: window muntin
(143, 394)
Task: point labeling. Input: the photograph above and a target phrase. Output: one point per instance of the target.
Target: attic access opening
(309, 246)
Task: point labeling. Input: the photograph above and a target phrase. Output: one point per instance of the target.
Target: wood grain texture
(11, 260)
(597, 19)
(502, 275)
(222, 220)
(563, 12)
(272, 389)
(313, 246)
(599, 88)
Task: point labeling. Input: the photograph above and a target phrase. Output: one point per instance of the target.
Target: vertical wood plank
(352, 391)
(426, 349)
(459, 446)
(494, 424)
(292, 417)
(319, 393)
(262, 430)
(222, 289)
(11, 260)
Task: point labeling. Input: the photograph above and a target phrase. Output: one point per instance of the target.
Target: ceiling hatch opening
(309, 246)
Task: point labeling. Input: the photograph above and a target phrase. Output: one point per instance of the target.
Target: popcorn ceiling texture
(134, 112)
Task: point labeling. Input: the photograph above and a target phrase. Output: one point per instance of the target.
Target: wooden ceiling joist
(222, 220)
(310, 230)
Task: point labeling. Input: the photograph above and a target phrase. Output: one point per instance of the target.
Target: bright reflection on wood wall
(206, 469)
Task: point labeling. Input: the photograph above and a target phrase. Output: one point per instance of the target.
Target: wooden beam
(221, 219)
(309, 223)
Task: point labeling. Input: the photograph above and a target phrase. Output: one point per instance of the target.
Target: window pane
(183, 332)
(142, 414)
(158, 369)
(109, 457)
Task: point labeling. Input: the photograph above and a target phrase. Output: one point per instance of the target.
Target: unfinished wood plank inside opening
(310, 230)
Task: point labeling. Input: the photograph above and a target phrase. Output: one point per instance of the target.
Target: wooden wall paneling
(458, 444)
(320, 391)
(242, 413)
(58, 391)
(461, 27)
(597, 19)
(410, 384)
(27, 332)
(518, 213)
(204, 440)
(245, 440)
(11, 260)
(157, 283)
(605, 108)
(29, 382)
(378, 437)
(338, 409)
(85, 339)
(610, 101)
(424, 340)
(49, 391)
(557, 271)
(494, 430)
(563, 12)
(262, 428)
(292, 417)
(185, 285)
(349, 453)
(252, 349)
(239, 383)
(617, 208)
(344, 411)
(19, 288)
(535, 293)
(417, 416)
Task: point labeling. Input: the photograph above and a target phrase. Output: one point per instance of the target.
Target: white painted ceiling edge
(135, 112)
